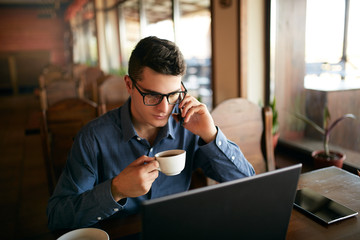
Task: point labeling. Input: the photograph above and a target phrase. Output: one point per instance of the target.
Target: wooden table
(332, 182)
(336, 184)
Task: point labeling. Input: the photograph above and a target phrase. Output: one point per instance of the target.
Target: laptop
(257, 207)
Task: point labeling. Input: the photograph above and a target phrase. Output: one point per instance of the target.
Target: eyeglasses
(154, 98)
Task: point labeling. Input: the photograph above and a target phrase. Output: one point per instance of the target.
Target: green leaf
(349, 115)
(311, 123)
(326, 117)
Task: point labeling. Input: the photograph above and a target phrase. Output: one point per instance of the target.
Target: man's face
(152, 82)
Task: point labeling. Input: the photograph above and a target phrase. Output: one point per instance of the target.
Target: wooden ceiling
(156, 10)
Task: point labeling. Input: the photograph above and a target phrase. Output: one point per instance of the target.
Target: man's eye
(153, 98)
(156, 96)
(174, 96)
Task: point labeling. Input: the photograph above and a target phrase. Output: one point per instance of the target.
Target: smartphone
(181, 119)
(322, 208)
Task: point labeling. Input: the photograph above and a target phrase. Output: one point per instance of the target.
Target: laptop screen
(257, 207)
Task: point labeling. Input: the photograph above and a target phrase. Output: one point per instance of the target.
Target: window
(193, 36)
(185, 22)
(157, 19)
(129, 29)
(84, 35)
(112, 40)
(121, 24)
(332, 50)
(315, 63)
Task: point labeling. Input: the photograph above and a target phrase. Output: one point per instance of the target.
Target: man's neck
(146, 132)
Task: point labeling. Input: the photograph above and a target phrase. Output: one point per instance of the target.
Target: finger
(185, 101)
(185, 107)
(141, 160)
(153, 175)
(148, 159)
(192, 112)
(151, 166)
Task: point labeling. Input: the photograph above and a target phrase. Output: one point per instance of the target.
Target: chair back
(88, 84)
(60, 124)
(45, 79)
(77, 71)
(99, 81)
(112, 93)
(57, 90)
(249, 126)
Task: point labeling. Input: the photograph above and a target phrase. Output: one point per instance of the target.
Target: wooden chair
(60, 123)
(99, 81)
(249, 126)
(52, 68)
(57, 90)
(45, 79)
(88, 83)
(112, 93)
(78, 70)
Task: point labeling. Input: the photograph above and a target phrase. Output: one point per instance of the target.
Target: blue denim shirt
(106, 145)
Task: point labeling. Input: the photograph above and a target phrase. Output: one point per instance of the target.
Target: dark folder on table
(257, 207)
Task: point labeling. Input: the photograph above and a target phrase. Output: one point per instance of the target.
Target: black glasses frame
(143, 94)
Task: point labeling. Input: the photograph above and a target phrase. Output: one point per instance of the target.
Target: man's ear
(128, 83)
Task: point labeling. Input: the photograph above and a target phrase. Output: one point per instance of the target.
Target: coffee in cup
(171, 162)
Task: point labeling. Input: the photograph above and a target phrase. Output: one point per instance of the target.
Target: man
(111, 167)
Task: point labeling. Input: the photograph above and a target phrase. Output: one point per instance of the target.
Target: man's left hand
(197, 118)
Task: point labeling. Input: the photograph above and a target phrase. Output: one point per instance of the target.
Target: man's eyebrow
(154, 92)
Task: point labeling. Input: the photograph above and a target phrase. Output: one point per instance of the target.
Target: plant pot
(321, 161)
(275, 139)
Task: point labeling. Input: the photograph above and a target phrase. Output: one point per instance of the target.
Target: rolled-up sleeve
(223, 160)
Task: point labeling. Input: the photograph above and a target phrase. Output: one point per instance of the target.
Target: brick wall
(28, 43)
(23, 30)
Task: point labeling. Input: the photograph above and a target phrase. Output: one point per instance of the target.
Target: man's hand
(136, 179)
(197, 118)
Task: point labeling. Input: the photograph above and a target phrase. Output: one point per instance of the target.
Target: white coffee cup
(171, 162)
(85, 233)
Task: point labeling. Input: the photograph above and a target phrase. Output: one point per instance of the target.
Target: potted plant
(275, 125)
(325, 157)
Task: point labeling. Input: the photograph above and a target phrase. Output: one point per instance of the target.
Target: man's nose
(163, 105)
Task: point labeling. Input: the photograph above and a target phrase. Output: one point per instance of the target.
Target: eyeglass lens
(173, 98)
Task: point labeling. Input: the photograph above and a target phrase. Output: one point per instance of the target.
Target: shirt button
(138, 138)
(99, 218)
(116, 209)
(219, 143)
(151, 149)
(233, 157)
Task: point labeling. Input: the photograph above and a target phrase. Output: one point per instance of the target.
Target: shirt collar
(126, 124)
(129, 130)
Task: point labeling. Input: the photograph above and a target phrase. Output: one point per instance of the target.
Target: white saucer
(85, 233)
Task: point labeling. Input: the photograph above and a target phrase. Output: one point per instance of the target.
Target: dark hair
(160, 55)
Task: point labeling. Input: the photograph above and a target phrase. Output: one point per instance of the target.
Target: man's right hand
(136, 179)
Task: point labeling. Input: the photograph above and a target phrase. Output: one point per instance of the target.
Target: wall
(289, 64)
(225, 52)
(256, 51)
(346, 134)
(22, 30)
(38, 41)
(239, 50)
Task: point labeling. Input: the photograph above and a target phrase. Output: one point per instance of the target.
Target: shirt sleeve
(79, 198)
(222, 160)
